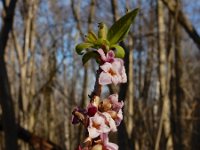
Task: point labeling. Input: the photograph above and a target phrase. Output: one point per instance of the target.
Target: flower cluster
(103, 116)
(113, 70)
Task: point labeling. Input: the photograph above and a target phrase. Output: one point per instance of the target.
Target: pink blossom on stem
(109, 57)
(116, 106)
(110, 122)
(113, 72)
(97, 126)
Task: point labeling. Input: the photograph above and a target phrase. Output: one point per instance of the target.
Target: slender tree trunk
(162, 72)
(48, 96)
(130, 119)
(9, 125)
(171, 76)
(26, 65)
(196, 124)
(23, 72)
(31, 69)
(178, 81)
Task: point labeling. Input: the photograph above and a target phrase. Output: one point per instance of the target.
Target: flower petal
(106, 66)
(110, 121)
(97, 125)
(113, 98)
(119, 117)
(113, 72)
(102, 54)
(117, 64)
(123, 75)
(110, 56)
(93, 132)
(104, 78)
(116, 106)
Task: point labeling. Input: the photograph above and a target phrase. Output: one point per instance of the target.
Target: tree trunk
(162, 72)
(9, 125)
(130, 118)
(178, 81)
(183, 20)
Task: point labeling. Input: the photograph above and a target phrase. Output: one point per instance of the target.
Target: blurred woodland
(42, 78)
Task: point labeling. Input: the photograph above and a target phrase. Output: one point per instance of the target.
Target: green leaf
(119, 51)
(80, 47)
(91, 37)
(88, 56)
(121, 27)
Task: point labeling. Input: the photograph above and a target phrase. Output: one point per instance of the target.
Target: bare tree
(187, 25)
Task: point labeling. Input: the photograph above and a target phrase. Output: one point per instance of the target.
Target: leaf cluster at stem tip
(106, 39)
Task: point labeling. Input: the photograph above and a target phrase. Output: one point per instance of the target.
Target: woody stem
(97, 86)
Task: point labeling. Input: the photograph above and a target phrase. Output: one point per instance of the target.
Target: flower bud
(102, 33)
(91, 110)
(104, 106)
(113, 114)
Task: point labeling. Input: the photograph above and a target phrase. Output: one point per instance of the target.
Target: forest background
(42, 78)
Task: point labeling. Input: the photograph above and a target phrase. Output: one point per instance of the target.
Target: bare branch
(184, 21)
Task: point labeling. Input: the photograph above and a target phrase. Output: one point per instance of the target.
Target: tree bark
(196, 124)
(162, 72)
(130, 119)
(178, 80)
(9, 125)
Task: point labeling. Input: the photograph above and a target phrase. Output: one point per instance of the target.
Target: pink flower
(113, 72)
(101, 123)
(97, 126)
(110, 122)
(119, 118)
(109, 57)
(116, 106)
(106, 144)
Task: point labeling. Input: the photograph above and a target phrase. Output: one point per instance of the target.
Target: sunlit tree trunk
(162, 72)
(31, 69)
(25, 48)
(130, 96)
(27, 68)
